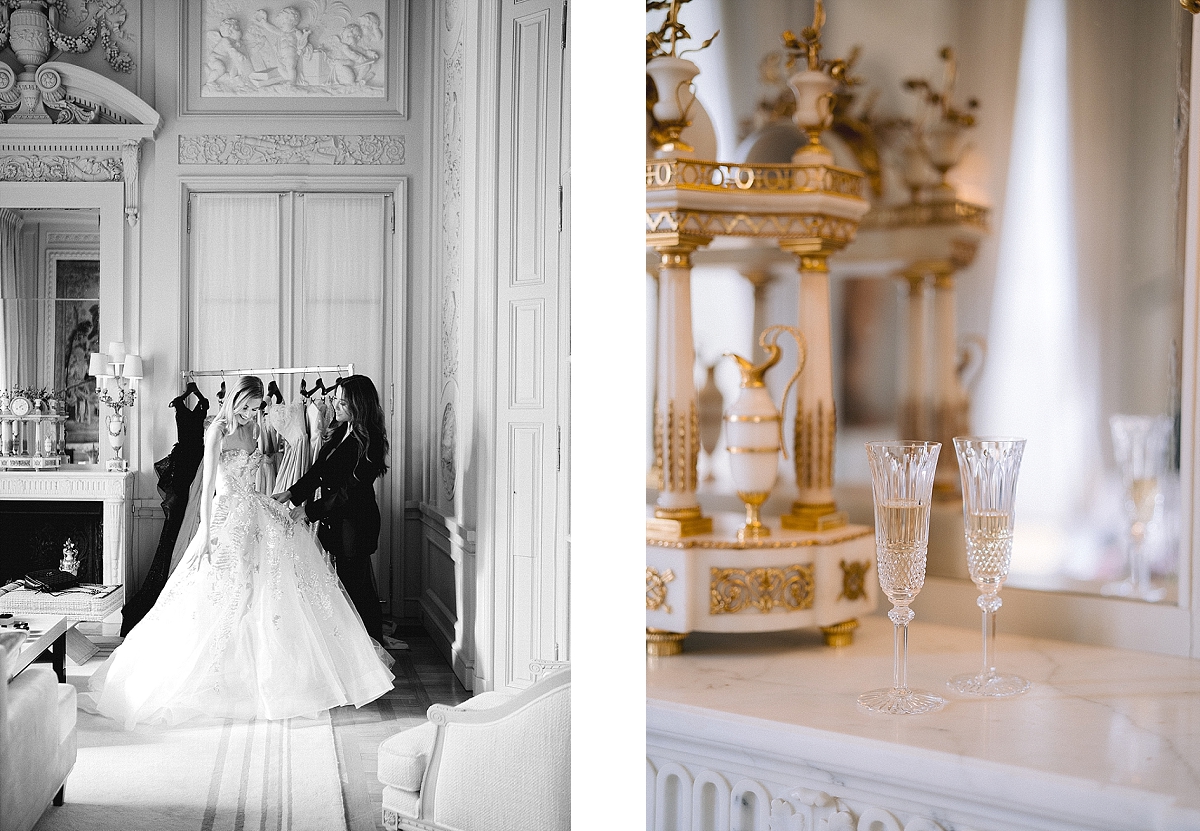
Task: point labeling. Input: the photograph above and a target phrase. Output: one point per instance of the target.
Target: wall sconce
(117, 373)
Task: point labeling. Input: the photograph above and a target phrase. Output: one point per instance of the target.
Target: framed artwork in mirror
(294, 57)
(72, 332)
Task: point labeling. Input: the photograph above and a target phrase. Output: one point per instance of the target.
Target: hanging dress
(290, 422)
(176, 473)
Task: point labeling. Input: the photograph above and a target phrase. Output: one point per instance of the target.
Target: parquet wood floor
(422, 678)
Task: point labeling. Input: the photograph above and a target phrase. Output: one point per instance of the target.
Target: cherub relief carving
(335, 47)
(227, 61)
(349, 62)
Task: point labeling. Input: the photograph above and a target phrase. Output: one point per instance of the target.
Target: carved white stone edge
(365, 149)
(62, 487)
(791, 809)
(91, 241)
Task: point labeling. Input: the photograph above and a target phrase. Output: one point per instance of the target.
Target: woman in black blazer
(353, 456)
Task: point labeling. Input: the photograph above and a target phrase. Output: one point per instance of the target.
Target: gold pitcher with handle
(754, 428)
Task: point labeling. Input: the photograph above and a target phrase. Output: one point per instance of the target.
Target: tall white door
(532, 344)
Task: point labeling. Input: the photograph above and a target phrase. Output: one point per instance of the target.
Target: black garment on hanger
(175, 475)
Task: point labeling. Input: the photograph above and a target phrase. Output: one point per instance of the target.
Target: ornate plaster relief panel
(450, 197)
(291, 149)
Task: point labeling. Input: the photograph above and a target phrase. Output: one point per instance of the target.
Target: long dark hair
(366, 419)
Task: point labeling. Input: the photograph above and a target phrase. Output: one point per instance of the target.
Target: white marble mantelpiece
(79, 483)
(757, 733)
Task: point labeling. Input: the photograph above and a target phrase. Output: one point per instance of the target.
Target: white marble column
(951, 404)
(914, 387)
(758, 278)
(815, 425)
(676, 415)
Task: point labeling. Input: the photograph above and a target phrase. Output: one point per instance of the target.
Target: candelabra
(117, 374)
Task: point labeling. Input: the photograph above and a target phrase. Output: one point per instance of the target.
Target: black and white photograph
(285, 415)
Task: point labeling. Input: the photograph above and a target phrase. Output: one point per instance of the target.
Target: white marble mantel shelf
(762, 732)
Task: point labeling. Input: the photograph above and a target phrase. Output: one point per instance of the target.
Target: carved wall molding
(447, 450)
(79, 160)
(450, 336)
(57, 168)
(291, 149)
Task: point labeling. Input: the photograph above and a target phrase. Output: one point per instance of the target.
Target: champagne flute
(902, 486)
(1140, 447)
(988, 467)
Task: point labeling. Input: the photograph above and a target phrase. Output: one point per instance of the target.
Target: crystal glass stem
(900, 652)
(989, 633)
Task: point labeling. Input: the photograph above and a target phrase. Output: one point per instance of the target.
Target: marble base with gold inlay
(717, 582)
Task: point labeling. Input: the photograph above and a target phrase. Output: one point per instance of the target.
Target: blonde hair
(246, 386)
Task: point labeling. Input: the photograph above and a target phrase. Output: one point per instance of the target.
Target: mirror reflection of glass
(50, 311)
(1074, 300)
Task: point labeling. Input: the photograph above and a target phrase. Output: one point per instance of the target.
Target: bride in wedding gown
(254, 622)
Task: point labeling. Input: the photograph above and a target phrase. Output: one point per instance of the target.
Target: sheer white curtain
(18, 333)
(235, 281)
(339, 285)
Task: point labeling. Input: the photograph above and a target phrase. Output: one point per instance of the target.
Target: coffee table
(46, 632)
(89, 602)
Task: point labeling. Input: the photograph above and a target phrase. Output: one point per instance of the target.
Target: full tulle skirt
(262, 628)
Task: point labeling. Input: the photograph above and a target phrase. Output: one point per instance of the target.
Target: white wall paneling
(530, 551)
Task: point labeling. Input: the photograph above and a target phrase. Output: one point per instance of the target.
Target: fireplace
(35, 533)
(69, 498)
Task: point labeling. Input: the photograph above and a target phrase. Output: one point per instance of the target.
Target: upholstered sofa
(38, 741)
(496, 762)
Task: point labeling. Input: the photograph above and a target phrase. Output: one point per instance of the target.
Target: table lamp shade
(98, 365)
(133, 366)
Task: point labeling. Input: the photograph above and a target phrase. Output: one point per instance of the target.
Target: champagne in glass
(902, 486)
(988, 467)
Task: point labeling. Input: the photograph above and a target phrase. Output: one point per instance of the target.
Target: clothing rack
(345, 369)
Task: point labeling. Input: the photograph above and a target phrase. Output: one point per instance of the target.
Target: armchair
(38, 740)
(496, 762)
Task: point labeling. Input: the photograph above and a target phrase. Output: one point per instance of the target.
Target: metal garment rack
(345, 369)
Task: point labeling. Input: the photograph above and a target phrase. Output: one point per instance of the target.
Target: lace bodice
(237, 470)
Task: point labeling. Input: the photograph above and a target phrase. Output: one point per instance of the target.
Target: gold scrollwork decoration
(656, 589)
(733, 590)
(690, 174)
(854, 579)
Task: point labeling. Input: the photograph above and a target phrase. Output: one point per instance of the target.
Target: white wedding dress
(262, 629)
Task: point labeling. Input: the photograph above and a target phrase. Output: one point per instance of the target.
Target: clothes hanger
(195, 390)
(221, 394)
(303, 389)
(273, 392)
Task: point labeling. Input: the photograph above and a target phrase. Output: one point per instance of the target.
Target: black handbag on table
(50, 580)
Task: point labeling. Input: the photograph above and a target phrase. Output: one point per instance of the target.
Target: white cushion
(11, 641)
(67, 711)
(404, 756)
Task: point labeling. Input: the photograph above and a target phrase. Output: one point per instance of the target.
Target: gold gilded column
(676, 413)
(815, 425)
